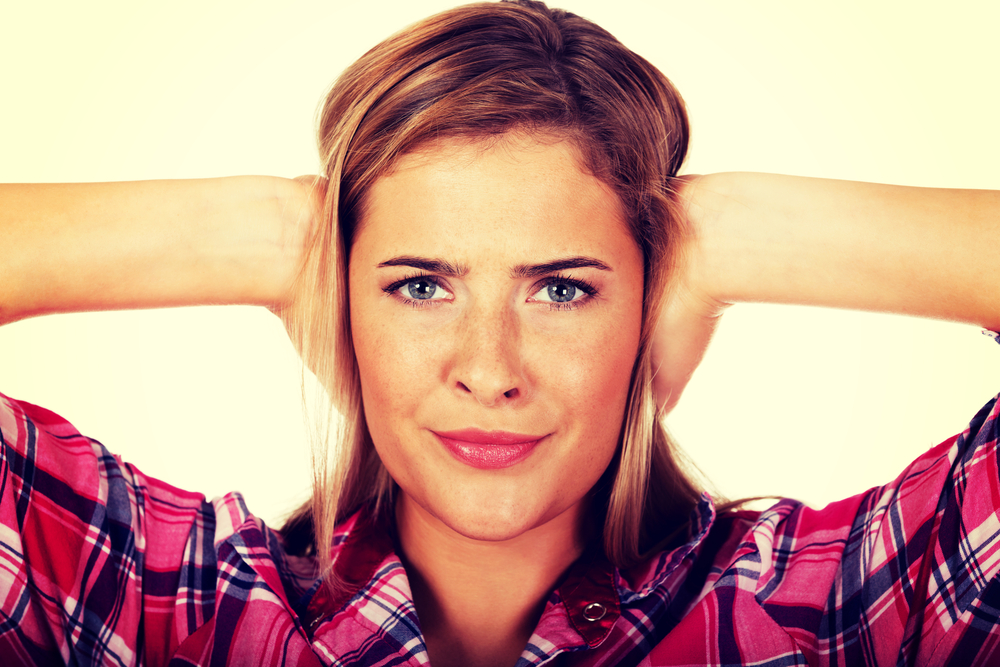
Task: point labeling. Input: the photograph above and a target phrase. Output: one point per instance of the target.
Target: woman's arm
(145, 244)
(865, 246)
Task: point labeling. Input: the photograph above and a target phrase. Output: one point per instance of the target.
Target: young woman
(499, 285)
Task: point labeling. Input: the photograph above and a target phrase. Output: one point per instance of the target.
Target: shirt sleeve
(92, 552)
(907, 573)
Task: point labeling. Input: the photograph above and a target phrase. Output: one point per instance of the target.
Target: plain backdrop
(793, 401)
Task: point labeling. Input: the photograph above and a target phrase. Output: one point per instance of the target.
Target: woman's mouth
(488, 449)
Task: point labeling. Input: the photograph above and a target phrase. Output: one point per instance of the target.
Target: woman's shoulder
(86, 535)
(940, 480)
(908, 572)
(922, 551)
(49, 455)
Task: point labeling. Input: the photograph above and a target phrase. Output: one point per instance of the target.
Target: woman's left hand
(690, 313)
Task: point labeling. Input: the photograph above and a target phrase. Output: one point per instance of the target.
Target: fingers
(680, 340)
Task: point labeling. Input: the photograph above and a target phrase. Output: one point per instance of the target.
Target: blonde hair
(479, 72)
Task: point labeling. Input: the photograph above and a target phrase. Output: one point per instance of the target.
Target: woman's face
(495, 289)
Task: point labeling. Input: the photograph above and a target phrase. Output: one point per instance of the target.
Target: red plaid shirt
(100, 564)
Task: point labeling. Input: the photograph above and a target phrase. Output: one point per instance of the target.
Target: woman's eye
(419, 289)
(561, 292)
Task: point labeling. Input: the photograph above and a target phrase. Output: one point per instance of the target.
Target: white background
(792, 401)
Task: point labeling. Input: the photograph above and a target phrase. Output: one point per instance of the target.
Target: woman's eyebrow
(536, 270)
(439, 266)
(446, 268)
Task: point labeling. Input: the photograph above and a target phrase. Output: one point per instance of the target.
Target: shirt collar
(361, 545)
(663, 569)
(591, 594)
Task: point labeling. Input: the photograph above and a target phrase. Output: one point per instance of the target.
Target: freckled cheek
(398, 385)
(397, 369)
(593, 372)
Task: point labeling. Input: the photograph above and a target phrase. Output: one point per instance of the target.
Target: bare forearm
(786, 239)
(101, 246)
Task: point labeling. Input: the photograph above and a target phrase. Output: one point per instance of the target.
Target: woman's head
(493, 84)
(483, 70)
(494, 288)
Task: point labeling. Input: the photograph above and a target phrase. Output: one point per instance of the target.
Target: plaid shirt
(103, 565)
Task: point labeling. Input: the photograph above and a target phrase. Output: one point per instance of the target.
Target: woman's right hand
(304, 212)
(302, 209)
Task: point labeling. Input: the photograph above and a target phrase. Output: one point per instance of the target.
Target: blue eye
(417, 290)
(561, 292)
(421, 289)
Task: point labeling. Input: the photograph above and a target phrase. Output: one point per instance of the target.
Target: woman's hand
(304, 211)
(301, 212)
(690, 313)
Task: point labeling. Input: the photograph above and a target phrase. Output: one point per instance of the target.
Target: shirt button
(594, 611)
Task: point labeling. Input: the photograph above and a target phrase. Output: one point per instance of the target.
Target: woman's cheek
(606, 357)
(406, 365)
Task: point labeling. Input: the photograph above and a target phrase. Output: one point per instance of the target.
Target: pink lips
(488, 449)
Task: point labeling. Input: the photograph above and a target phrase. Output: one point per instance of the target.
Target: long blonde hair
(481, 71)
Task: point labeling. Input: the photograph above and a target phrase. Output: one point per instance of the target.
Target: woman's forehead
(518, 193)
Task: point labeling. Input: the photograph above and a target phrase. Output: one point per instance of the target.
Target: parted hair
(479, 72)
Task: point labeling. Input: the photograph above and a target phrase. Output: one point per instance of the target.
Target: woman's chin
(489, 518)
(491, 527)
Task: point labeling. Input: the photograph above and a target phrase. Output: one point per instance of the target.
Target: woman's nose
(488, 363)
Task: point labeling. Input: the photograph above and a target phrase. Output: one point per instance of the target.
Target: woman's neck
(479, 601)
